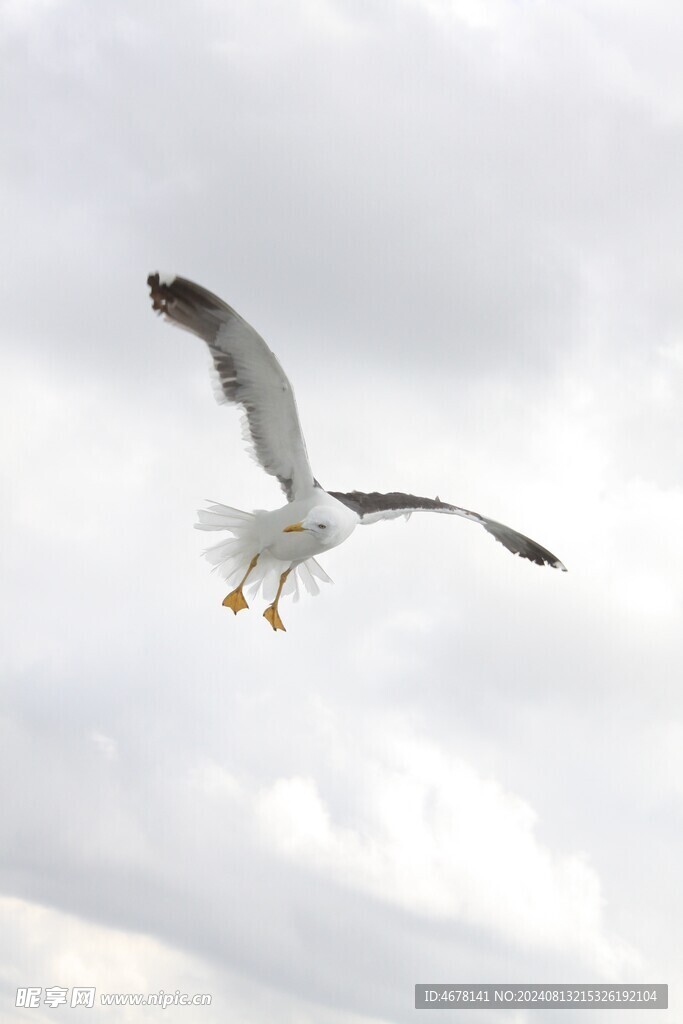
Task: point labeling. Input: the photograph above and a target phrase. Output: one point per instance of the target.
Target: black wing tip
(548, 559)
(161, 290)
(171, 290)
(537, 555)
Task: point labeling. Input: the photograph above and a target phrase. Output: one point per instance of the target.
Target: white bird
(277, 548)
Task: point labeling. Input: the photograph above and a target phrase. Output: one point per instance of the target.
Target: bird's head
(324, 523)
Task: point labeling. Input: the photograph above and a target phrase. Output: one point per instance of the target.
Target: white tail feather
(308, 581)
(316, 569)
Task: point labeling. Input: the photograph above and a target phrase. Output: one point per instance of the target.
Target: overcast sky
(458, 223)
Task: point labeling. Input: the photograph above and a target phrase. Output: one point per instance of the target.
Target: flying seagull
(277, 549)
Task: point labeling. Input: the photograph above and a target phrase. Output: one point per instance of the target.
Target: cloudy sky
(459, 225)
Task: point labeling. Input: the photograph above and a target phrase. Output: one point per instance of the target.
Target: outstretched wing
(373, 507)
(248, 374)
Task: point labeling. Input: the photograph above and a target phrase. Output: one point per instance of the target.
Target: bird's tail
(231, 557)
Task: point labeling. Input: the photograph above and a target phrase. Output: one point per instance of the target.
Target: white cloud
(46, 947)
(107, 746)
(441, 841)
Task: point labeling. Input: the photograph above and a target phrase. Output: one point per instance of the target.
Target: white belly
(298, 545)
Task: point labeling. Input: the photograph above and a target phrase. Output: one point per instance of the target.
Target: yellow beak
(294, 528)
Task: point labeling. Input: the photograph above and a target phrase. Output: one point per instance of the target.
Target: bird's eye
(322, 526)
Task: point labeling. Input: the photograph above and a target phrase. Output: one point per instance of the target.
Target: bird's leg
(235, 599)
(271, 613)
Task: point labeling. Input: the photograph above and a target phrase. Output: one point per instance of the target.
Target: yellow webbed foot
(235, 600)
(273, 617)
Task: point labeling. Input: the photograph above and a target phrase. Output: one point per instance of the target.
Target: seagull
(276, 549)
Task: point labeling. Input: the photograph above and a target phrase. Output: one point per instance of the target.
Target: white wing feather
(248, 374)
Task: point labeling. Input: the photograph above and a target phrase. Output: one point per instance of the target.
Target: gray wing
(248, 374)
(373, 507)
